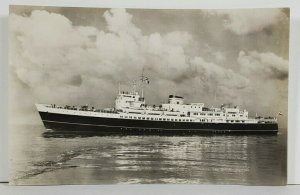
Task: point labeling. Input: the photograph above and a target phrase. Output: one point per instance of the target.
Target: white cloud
(220, 57)
(120, 22)
(178, 38)
(263, 65)
(219, 75)
(68, 64)
(245, 21)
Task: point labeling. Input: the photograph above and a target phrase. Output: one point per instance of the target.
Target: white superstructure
(130, 104)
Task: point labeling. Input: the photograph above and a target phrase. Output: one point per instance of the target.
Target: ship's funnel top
(174, 99)
(175, 96)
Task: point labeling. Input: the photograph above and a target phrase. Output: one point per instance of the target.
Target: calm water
(45, 157)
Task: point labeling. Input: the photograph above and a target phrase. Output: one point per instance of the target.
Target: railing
(82, 108)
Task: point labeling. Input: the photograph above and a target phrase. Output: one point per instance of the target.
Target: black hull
(109, 126)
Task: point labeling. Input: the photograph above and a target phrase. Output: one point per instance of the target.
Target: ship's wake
(41, 167)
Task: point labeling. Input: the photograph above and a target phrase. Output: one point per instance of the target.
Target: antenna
(134, 86)
(215, 95)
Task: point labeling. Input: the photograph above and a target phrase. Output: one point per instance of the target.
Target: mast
(215, 97)
(143, 79)
(142, 82)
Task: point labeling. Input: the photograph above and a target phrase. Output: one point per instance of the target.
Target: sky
(77, 56)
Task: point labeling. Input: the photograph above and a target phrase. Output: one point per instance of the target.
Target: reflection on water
(83, 158)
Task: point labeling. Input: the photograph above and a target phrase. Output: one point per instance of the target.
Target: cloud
(246, 21)
(217, 78)
(220, 57)
(178, 38)
(67, 64)
(120, 22)
(263, 65)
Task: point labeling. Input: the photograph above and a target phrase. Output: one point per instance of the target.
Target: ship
(132, 116)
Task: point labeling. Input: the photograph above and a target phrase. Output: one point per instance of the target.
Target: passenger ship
(132, 116)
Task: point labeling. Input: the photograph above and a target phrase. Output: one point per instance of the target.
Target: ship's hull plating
(109, 126)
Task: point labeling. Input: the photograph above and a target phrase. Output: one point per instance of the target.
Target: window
(139, 117)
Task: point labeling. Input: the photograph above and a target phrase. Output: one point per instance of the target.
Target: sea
(44, 157)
